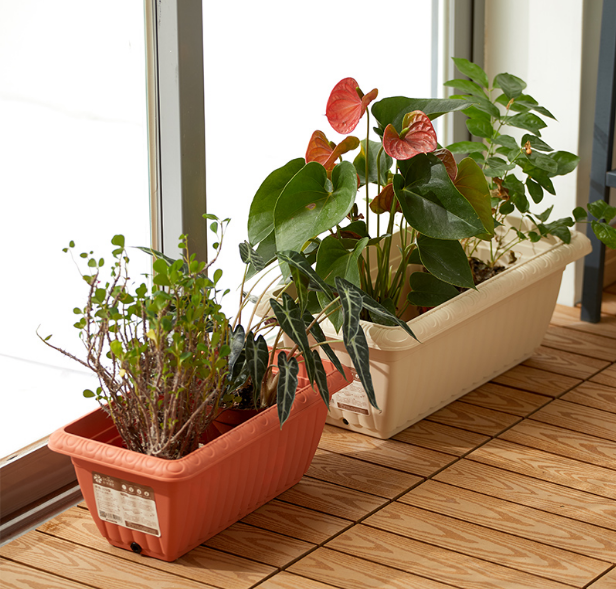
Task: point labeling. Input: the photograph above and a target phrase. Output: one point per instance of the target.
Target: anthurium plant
(441, 209)
(310, 205)
(167, 358)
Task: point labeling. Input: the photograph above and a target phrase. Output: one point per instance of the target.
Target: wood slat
(578, 418)
(296, 522)
(390, 453)
(88, 566)
(201, 564)
(473, 418)
(524, 490)
(360, 475)
(487, 544)
(537, 381)
(505, 399)
(284, 580)
(435, 563)
(350, 572)
(18, 576)
(570, 317)
(583, 343)
(548, 467)
(259, 545)
(608, 581)
(563, 442)
(606, 377)
(443, 438)
(331, 499)
(566, 363)
(608, 302)
(593, 395)
(510, 518)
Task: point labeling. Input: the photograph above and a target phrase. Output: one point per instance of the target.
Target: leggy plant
(519, 170)
(160, 355)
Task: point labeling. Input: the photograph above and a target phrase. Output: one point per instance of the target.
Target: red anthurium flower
(347, 104)
(418, 136)
(325, 152)
(382, 203)
(450, 163)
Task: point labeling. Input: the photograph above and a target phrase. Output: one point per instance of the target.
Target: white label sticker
(353, 397)
(126, 504)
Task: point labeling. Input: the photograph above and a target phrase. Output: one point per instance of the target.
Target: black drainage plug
(136, 548)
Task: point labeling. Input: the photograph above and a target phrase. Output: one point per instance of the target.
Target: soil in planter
(482, 271)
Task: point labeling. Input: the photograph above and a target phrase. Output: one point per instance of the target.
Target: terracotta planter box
(464, 343)
(164, 508)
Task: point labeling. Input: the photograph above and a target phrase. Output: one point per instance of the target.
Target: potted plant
(158, 478)
(447, 228)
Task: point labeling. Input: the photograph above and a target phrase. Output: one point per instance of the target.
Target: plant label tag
(126, 504)
(353, 397)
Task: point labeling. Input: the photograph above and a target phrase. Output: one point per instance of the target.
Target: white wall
(553, 46)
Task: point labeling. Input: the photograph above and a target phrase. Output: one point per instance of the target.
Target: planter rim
(161, 469)
(471, 302)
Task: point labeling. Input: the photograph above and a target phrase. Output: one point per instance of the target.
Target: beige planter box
(465, 342)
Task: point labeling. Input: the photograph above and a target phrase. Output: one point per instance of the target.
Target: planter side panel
(411, 384)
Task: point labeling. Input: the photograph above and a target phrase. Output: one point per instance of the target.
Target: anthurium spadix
(347, 105)
(417, 136)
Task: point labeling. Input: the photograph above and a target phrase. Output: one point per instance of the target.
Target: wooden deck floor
(511, 487)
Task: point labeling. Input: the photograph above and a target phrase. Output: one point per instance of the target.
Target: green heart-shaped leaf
(432, 204)
(445, 259)
(310, 204)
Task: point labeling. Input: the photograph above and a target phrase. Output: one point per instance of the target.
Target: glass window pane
(73, 153)
(269, 70)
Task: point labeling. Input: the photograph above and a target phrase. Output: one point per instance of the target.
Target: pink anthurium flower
(382, 203)
(449, 161)
(347, 104)
(418, 136)
(325, 152)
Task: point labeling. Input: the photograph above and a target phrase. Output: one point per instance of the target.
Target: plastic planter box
(164, 508)
(464, 343)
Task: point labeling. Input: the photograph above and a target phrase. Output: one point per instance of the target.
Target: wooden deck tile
(608, 303)
(606, 377)
(524, 490)
(537, 381)
(566, 363)
(433, 562)
(563, 442)
(608, 581)
(284, 580)
(18, 576)
(570, 317)
(346, 571)
(487, 544)
(578, 418)
(296, 522)
(585, 344)
(398, 455)
(360, 475)
(90, 567)
(259, 545)
(505, 399)
(519, 520)
(473, 418)
(593, 395)
(331, 499)
(548, 467)
(443, 438)
(200, 564)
